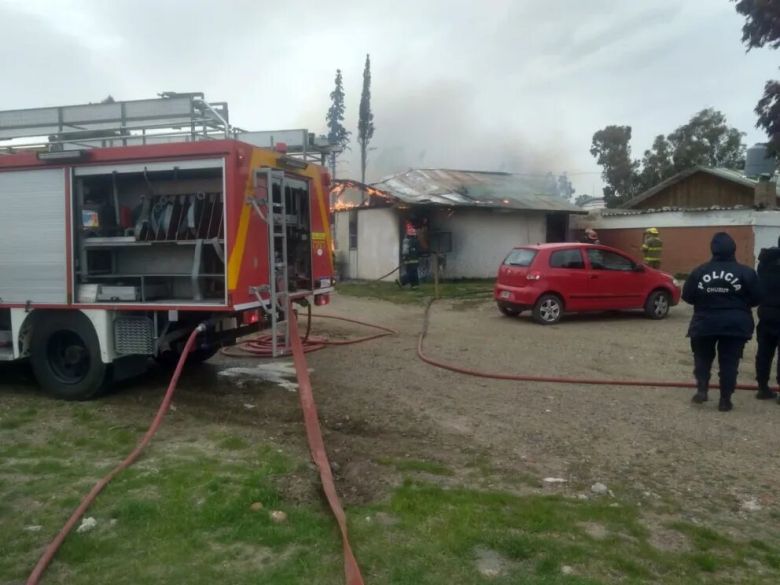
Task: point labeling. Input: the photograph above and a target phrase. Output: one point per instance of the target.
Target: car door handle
(593, 276)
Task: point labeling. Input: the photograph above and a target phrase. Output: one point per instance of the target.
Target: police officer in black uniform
(722, 293)
(768, 330)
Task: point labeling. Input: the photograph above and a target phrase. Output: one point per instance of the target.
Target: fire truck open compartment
(150, 233)
(297, 231)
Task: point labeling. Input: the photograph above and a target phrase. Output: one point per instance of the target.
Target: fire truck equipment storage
(136, 221)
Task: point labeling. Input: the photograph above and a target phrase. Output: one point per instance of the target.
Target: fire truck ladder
(277, 253)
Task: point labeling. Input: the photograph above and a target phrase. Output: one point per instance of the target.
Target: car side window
(605, 260)
(566, 259)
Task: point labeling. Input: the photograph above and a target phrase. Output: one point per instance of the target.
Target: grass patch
(389, 291)
(437, 531)
(703, 538)
(233, 444)
(16, 419)
(183, 515)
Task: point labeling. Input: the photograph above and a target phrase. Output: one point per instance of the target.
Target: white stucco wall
(481, 238)
(766, 230)
(724, 217)
(345, 258)
(379, 243)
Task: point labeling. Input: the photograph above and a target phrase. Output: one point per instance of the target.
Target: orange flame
(339, 188)
(341, 206)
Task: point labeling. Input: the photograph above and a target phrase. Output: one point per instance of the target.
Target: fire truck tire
(169, 359)
(65, 356)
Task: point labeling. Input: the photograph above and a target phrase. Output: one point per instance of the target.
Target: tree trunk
(363, 149)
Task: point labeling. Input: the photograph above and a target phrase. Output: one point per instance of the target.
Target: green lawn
(184, 515)
(389, 291)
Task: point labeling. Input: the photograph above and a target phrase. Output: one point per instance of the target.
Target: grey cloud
(503, 84)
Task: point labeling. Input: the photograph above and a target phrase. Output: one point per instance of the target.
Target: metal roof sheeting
(475, 189)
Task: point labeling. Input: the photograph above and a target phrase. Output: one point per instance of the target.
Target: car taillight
(534, 276)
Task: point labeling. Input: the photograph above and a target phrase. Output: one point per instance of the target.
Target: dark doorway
(557, 227)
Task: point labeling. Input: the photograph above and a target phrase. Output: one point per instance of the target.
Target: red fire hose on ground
(317, 447)
(260, 347)
(55, 544)
(545, 379)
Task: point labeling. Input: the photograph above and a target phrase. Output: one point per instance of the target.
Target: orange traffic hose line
(317, 448)
(547, 379)
(55, 544)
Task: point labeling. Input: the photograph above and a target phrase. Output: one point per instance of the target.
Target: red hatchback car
(551, 279)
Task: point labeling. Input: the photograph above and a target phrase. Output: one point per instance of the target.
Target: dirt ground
(380, 405)
(651, 445)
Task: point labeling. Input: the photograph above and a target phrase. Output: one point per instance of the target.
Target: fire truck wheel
(65, 356)
(169, 359)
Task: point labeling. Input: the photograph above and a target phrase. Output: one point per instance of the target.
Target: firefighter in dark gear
(652, 248)
(410, 261)
(722, 293)
(768, 330)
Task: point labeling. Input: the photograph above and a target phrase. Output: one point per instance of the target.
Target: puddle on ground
(281, 374)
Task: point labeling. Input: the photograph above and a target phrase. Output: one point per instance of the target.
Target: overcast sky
(494, 85)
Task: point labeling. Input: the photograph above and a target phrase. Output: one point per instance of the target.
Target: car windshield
(520, 257)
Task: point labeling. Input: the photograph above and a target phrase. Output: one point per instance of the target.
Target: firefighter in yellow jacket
(652, 248)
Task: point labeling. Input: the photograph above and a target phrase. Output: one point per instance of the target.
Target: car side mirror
(639, 268)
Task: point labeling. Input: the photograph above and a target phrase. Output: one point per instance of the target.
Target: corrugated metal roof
(727, 174)
(475, 189)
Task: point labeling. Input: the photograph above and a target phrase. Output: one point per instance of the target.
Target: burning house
(470, 218)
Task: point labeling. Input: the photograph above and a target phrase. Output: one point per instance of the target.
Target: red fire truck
(134, 222)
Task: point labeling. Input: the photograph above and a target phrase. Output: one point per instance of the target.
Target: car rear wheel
(658, 304)
(548, 310)
(508, 310)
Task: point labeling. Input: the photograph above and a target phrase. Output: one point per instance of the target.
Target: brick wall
(684, 247)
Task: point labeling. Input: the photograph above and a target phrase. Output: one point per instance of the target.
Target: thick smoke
(439, 126)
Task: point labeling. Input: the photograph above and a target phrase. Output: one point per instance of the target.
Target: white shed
(472, 218)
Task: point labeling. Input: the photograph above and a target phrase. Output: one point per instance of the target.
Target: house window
(353, 229)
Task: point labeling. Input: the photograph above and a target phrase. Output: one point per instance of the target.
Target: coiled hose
(262, 345)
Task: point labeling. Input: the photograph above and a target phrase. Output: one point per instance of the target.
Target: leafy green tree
(762, 23)
(611, 146)
(707, 140)
(768, 110)
(657, 164)
(762, 28)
